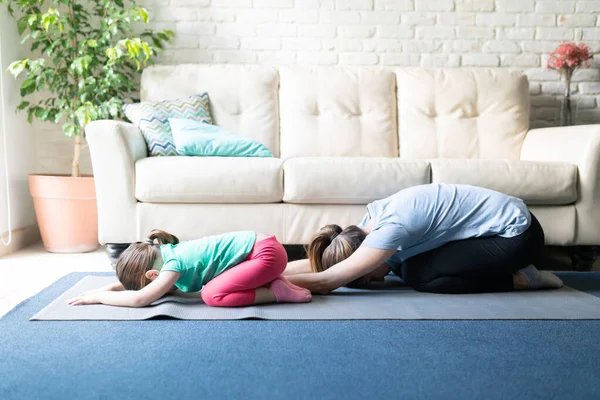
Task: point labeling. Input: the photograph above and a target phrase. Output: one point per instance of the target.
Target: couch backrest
(243, 98)
(327, 111)
(462, 113)
(375, 112)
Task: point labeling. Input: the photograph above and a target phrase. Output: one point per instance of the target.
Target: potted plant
(566, 58)
(87, 66)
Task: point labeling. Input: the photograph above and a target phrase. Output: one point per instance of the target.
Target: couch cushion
(349, 180)
(208, 180)
(462, 113)
(534, 182)
(333, 112)
(243, 98)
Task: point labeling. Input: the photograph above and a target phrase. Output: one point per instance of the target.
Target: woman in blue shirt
(438, 238)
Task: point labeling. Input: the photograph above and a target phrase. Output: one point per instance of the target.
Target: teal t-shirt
(201, 260)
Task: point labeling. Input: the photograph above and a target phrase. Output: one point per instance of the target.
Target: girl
(438, 238)
(233, 269)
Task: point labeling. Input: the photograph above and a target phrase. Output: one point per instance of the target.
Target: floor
(353, 359)
(278, 359)
(30, 270)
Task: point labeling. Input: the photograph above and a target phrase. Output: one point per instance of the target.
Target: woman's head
(138, 259)
(332, 244)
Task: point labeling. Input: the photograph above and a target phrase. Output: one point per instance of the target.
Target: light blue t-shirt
(421, 218)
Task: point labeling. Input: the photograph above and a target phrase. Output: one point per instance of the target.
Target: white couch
(343, 137)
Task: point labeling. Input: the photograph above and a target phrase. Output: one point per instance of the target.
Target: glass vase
(567, 105)
(567, 111)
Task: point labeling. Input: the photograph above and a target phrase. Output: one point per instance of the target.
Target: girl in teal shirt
(229, 270)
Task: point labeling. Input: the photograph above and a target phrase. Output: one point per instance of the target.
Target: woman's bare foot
(529, 278)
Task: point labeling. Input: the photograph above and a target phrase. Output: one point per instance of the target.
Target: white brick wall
(516, 34)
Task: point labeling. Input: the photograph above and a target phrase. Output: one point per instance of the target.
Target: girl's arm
(112, 287)
(116, 286)
(360, 263)
(132, 298)
(297, 267)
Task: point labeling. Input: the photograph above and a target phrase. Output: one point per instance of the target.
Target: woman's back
(424, 217)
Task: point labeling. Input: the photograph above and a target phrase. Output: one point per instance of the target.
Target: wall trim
(21, 237)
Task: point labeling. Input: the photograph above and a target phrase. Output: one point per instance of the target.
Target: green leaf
(27, 87)
(92, 43)
(69, 129)
(17, 67)
(41, 114)
(32, 19)
(22, 25)
(22, 105)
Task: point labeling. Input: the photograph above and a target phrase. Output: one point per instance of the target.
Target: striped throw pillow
(152, 117)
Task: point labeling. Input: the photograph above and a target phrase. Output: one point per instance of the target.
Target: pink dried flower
(570, 56)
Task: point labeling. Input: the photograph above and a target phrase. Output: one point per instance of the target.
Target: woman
(438, 238)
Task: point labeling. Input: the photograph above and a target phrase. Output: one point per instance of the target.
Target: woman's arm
(132, 298)
(360, 263)
(297, 267)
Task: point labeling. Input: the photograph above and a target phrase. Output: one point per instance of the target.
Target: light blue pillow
(194, 138)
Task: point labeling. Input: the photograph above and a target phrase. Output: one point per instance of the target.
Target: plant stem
(77, 151)
(76, 157)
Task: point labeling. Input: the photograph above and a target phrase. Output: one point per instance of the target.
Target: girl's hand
(83, 299)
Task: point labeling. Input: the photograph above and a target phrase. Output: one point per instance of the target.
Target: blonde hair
(332, 244)
(139, 257)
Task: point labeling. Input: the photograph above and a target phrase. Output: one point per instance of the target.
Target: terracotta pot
(66, 211)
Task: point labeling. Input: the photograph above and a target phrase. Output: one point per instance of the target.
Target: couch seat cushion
(535, 182)
(208, 180)
(349, 180)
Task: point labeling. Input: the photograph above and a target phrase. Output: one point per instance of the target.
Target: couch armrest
(579, 145)
(115, 146)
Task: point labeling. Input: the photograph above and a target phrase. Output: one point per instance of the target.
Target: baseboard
(21, 237)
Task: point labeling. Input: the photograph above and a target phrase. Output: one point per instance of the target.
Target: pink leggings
(237, 286)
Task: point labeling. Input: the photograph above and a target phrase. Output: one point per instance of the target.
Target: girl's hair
(333, 244)
(139, 257)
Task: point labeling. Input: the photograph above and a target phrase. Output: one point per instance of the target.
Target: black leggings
(475, 265)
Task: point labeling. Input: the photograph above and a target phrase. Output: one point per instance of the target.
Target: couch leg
(583, 257)
(114, 250)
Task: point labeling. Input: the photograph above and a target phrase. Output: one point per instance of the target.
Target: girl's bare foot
(286, 292)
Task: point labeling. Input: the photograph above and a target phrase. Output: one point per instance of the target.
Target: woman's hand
(84, 298)
(313, 281)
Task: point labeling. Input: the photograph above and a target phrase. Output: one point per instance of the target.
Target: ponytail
(161, 237)
(319, 243)
(332, 244)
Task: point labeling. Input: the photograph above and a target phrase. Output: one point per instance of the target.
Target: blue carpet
(164, 359)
